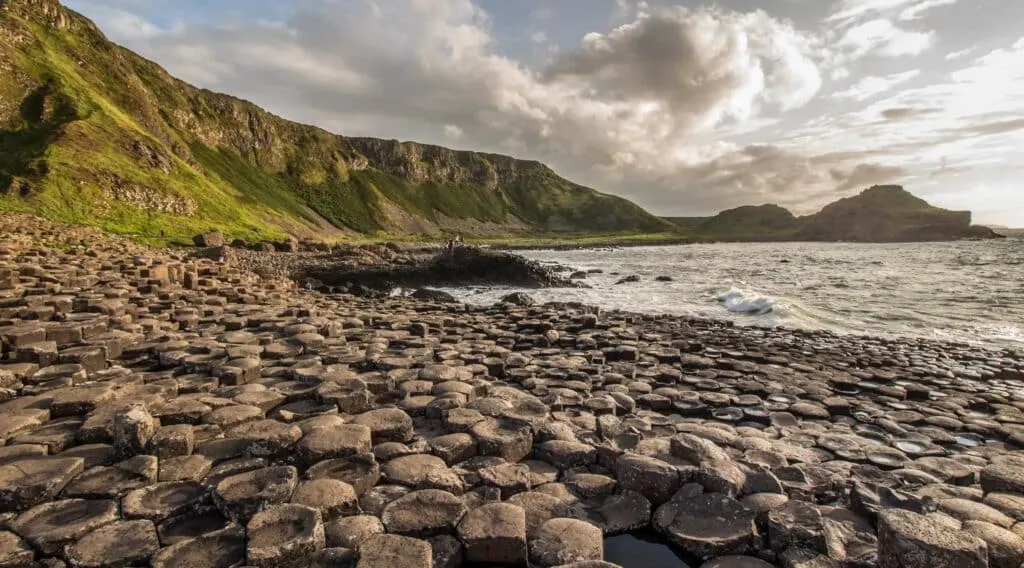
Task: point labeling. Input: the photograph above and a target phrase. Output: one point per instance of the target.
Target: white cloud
(686, 110)
(869, 87)
(915, 11)
(884, 38)
(959, 54)
(453, 131)
(846, 11)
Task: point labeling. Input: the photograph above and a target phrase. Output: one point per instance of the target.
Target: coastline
(198, 394)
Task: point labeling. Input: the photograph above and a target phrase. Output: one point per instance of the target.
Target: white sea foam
(740, 301)
(922, 290)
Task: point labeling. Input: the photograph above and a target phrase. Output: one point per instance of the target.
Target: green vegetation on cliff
(92, 133)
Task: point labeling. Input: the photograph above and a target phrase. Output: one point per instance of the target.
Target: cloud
(904, 113)
(882, 37)
(846, 11)
(684, 110)
(869, 87)
(915, 11)
(118, 21)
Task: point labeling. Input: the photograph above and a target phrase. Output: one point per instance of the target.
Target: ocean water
(969, 291)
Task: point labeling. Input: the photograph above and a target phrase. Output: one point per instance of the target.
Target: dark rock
(209, 239)
(430, 295)
(518, 299)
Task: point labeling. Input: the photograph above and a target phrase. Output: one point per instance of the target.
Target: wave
(740, 301)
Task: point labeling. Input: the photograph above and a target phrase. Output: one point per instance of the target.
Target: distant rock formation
(882, 213)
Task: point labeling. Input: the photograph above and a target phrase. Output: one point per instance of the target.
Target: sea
(967, 291)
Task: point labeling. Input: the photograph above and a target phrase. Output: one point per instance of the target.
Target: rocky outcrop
(458, 267)
(886, 213)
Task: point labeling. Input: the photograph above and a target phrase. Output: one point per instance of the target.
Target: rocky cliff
(92, 133)
(884, 213)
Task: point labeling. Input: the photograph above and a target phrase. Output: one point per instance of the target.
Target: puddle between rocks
(643, 550)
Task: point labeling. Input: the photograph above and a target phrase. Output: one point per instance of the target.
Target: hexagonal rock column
(240, 496)
(508, 439)
(422, 514)
(284, 537)
(707, 525)
(127, 543)
(910, 540)
(393, 551)
(494, 534)
(565, 541)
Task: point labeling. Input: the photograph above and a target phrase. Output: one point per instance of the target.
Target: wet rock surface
(157, 409)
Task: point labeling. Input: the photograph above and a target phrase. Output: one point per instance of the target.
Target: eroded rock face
(183, 412)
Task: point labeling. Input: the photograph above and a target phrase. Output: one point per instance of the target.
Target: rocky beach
(164, 408)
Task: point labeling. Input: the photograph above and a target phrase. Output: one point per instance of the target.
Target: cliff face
(878, 214)
(92, 133)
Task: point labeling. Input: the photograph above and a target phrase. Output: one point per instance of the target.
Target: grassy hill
(92, 133)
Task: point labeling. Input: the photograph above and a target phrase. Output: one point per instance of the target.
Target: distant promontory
(882, 213)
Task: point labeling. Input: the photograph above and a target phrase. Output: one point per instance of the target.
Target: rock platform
(159, 410)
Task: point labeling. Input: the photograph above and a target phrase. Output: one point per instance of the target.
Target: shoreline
(197, 407)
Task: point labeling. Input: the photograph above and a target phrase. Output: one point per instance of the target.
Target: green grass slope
(92, 133)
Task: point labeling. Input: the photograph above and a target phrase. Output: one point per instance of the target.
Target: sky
(686, 107)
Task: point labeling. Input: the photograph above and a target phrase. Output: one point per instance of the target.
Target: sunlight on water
(966, 291)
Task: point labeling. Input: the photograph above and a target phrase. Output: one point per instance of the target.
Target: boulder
(430, 295)
(209, 239)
